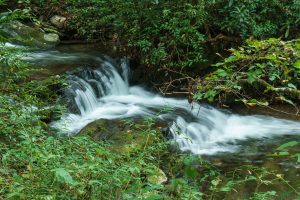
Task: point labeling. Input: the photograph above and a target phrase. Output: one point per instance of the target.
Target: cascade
(104, 93)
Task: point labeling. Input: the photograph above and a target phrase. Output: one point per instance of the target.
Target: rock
(58, 21)
(158, 178)
(124, 136)
(51, 37)
(19, 33)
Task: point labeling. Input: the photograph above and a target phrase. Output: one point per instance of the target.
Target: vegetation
(171, 36)
(258, 18)
(258, 73)
(175, 33)
(37, 163)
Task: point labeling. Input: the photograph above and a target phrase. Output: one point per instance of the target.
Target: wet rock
(158, 178)
(124, 136)
(58, 21)
(19, 33)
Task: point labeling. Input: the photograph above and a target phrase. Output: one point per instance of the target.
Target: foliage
(258, 18)
(37, 164)
(288, 150)
(3, 2)
(16, 14)
(162, 33)
(172, 33)
(257, 74)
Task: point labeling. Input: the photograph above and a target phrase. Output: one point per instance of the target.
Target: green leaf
(231, 59)
(63, 176)
(283, 153)
(252, 75)
(218, 64)
(260, 103)
(297, 64)
(210, 95)
(291, 85)
(298, 157)
(237, 87)
(288, 144)
(191, 172)
(221, 72)
(272, 78)
(254, 102)
(198, 96)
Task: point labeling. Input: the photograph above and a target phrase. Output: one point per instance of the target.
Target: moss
(122, 135)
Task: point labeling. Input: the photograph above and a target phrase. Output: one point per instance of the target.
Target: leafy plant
(288, 150)
(258, 18)
(256, 74)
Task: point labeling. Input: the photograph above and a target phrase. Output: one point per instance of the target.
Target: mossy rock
(124, 136)
(19, 33)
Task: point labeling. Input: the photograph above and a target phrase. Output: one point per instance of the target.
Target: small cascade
(90, 85)
(104, 93)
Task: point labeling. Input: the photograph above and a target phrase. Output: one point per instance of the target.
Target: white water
(104, 93)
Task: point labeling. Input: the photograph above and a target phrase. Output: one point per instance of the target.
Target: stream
(100, 89)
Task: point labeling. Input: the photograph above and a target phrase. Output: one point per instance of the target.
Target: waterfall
(104, 93)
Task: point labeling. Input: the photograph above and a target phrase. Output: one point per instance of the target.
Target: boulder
(124, 135)
(19, 33)
(58, 21)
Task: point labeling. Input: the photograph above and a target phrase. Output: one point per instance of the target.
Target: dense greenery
(255, 18)
(258, 73)
(37, 163)
(175, 33)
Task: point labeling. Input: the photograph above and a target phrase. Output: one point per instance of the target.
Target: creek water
(100, 89)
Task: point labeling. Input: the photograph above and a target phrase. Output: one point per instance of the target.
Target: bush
(256, 74)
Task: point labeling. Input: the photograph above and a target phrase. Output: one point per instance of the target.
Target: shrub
(256, 74)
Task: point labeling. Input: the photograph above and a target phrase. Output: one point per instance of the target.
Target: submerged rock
(124, 136)
(19, 33)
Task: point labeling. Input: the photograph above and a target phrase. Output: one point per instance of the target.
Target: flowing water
(101, 90)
